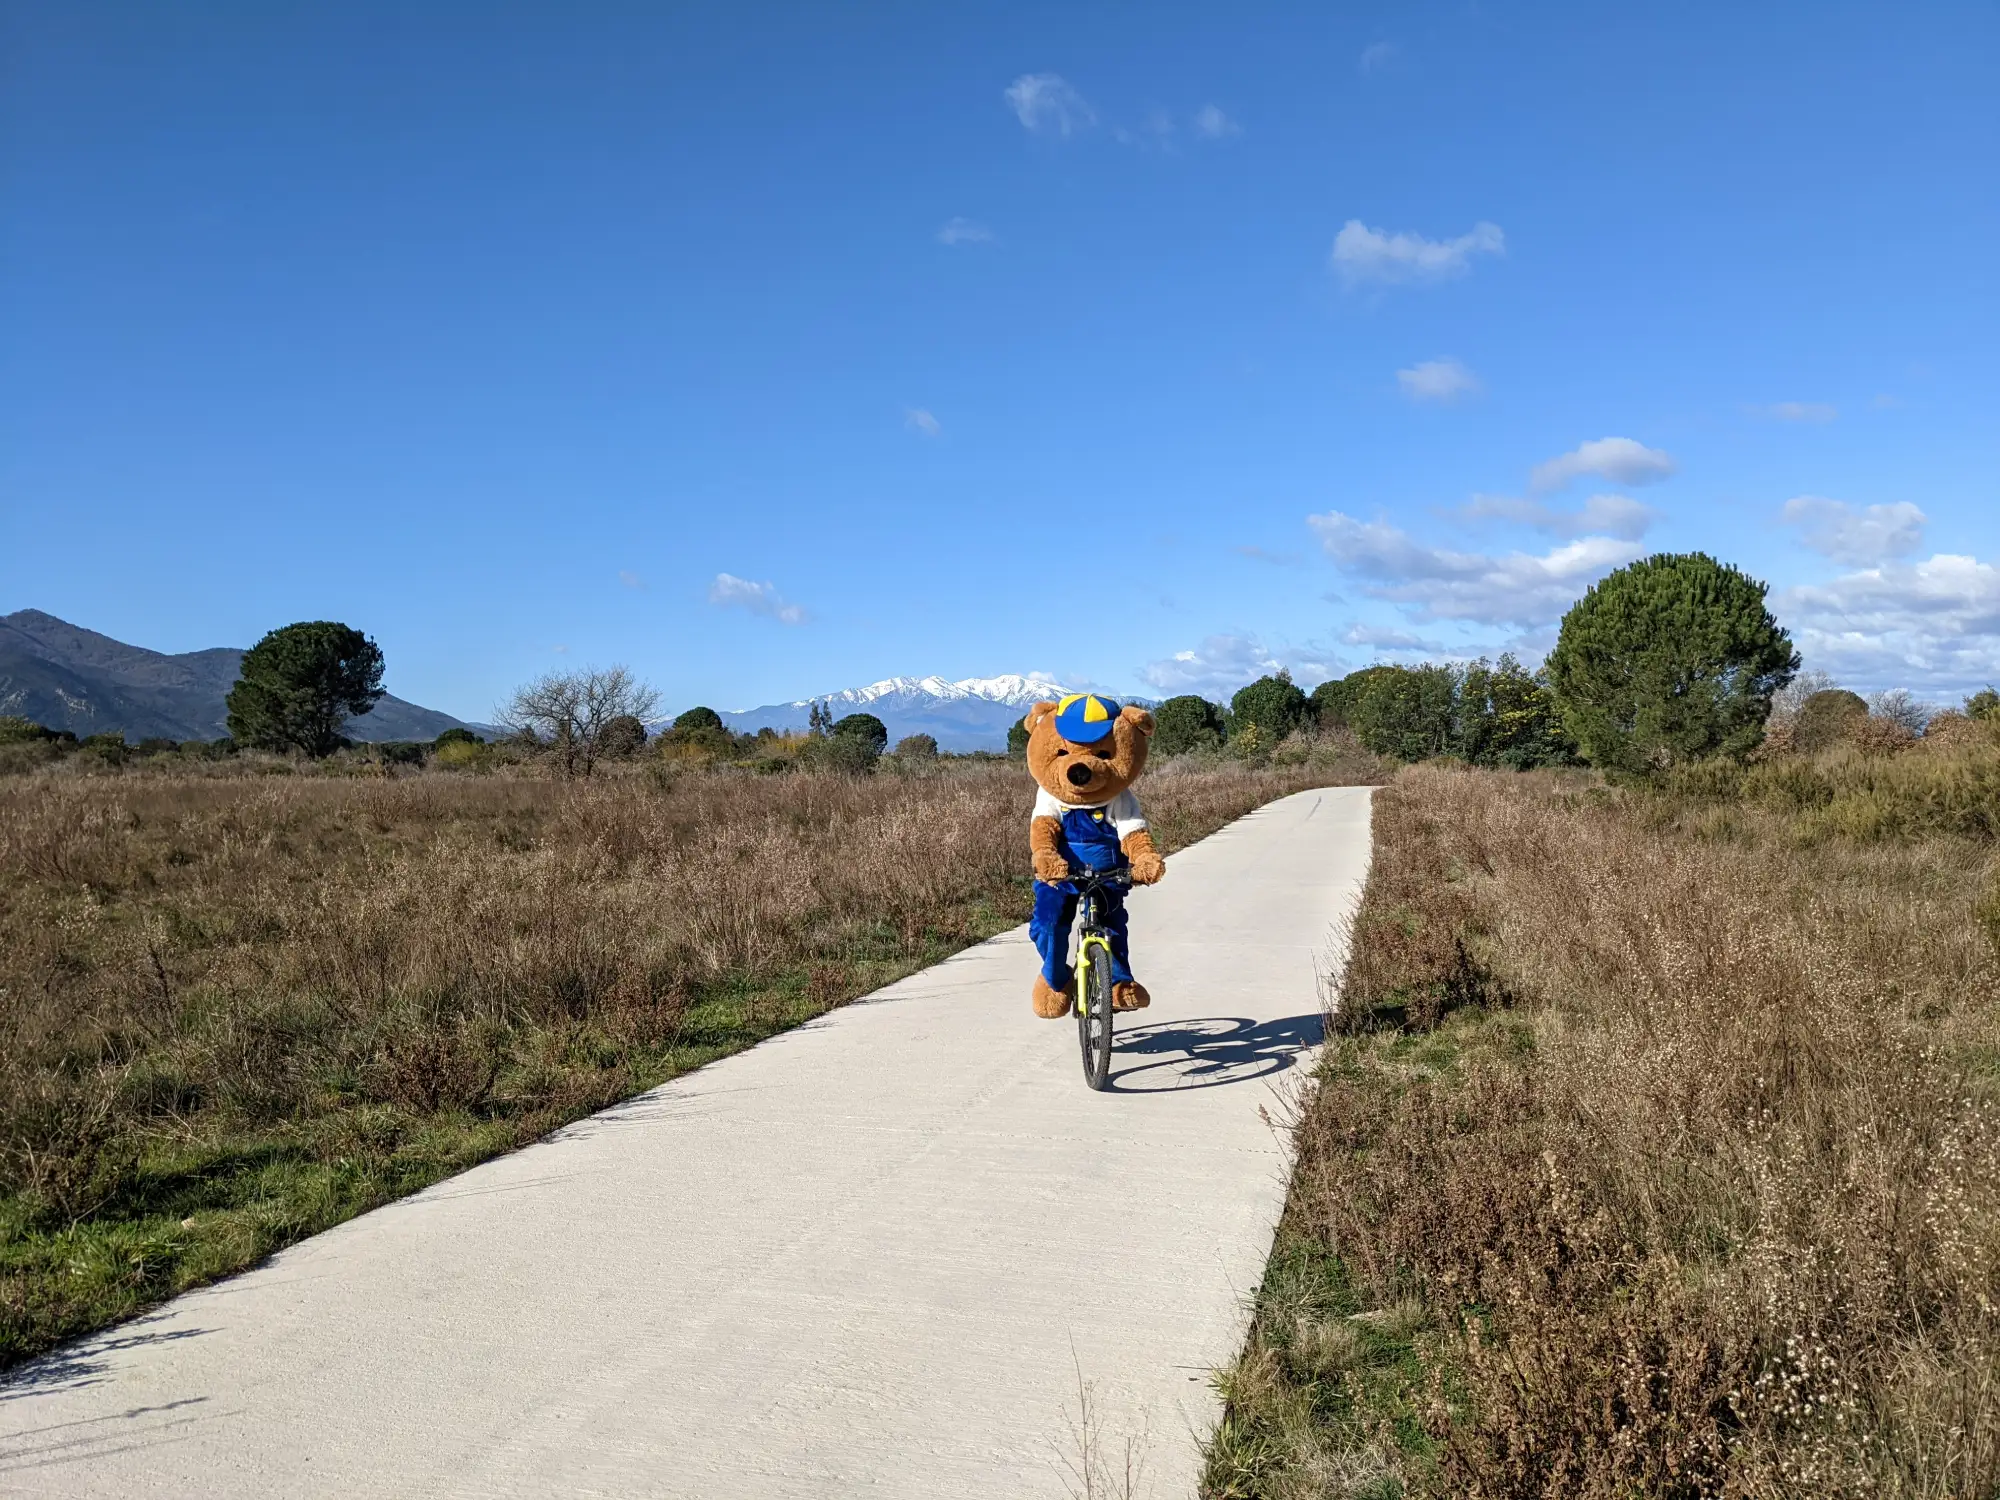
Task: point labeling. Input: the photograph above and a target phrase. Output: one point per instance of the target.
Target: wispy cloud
(1376, 56)
(919, 420)
(1223, 663)
(1609, 515)
(1797, 411)
(1386, 638)
(1361, 254)
(1437, 583)
(963, 231)
(1210, 123)
(730, 592)
(1045, 104)
(1855, 535)
(1438, 380)
(1933, 626)
(1618, 459)
(1266, 555)
(631, 580)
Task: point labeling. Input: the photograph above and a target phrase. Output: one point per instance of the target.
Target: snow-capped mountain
(970, 714)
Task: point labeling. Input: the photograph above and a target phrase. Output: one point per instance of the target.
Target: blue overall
(1089, 839)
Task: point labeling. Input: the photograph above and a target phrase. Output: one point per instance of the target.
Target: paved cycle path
(881, 1255)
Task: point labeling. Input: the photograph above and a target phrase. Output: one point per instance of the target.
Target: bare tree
(1789, 699)
(1900, 706)
(569, 712)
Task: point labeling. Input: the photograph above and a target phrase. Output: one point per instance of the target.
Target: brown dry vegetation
(1660, 1150)
(238, 1008)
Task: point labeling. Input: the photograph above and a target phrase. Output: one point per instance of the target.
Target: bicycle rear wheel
(1093, 1012)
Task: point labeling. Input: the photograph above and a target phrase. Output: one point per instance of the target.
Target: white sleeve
(1046, 806)
(1125, 814)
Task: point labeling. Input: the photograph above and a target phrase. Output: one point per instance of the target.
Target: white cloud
(1612, 515)
(631, 580)
(1436, 583)
(1363, 254)
(1223, 663)
(729, 591)
(1383, 638)
(1859, 537)
(1377, 55)
(1047, 105)
(1797, 411)
(919, 420)
(1438, 380)
(963, 231)
(1212, 124)
(1618, 459)
(1932, 626)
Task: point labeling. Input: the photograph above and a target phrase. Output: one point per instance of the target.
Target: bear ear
(1038, 712)
(1138, 718)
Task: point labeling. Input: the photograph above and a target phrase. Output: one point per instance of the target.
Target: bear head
(1087, 771)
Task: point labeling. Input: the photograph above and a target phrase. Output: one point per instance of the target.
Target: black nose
(1079, 774)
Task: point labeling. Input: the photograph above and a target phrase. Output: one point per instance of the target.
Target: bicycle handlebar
(1084, 878)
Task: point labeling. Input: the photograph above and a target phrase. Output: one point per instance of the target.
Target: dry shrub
(1715, 1208)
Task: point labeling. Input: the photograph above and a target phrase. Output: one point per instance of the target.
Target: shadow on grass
(1212, 1051)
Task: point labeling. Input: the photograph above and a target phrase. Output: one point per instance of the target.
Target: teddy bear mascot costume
(1085, 753)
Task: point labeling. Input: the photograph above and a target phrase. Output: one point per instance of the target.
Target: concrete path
(881, 1255)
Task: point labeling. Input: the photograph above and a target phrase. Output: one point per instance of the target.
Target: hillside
(67, 677)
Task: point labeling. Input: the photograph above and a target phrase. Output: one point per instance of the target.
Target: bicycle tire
(1093, 1012)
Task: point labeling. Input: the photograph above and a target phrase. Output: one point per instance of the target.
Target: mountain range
(972, 713)
(66, 677)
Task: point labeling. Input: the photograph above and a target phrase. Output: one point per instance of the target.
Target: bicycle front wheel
(1093, 1011)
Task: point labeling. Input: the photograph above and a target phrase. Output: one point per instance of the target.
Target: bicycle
(1093, 972)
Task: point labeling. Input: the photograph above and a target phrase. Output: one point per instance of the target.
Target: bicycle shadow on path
(1210, 1051)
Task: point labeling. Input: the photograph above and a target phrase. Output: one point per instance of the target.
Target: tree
(820, 719)
(624, 736)
(456, 735)
(1506, 717)
(299, 685)
(1984, 704)
(1826, 719)
(864, 726)
(1900, 707)
(916, 747)
(1275, 705)
(1669, 659)
(698, 718)
(570, 712)
(1186, 723)
(1017, 736)
(1410, 713)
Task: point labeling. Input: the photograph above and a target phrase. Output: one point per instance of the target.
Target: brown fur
(1115, 763)
(1053, 1005)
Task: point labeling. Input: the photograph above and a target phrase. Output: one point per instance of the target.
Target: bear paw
(1051, 868)
(1051, 1004)
(1130, 995)
(1147, 869)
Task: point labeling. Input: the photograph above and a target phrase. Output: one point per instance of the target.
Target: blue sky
(777, 349)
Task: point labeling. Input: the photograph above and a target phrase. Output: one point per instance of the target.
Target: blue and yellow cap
(1085, 718)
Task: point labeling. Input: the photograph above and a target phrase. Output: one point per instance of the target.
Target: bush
(1507, 717)
(1984, 704)
(623, 737)
(1826, 719)
(916, 747)
(456, 735)
(1187, 723)
(468, 754)
(1017, 737)
(698, 718)
(1275, 705)
(847, 754)
(1669, 659)
(864, 727)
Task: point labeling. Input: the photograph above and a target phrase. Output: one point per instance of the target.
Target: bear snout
(1080, 774)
